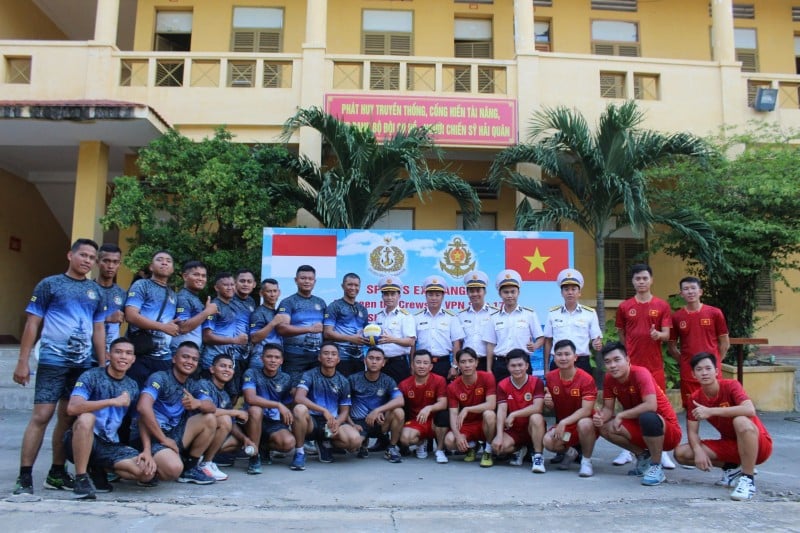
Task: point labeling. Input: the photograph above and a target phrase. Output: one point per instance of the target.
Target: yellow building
(84, 84)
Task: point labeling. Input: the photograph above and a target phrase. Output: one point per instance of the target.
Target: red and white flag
(291, 251)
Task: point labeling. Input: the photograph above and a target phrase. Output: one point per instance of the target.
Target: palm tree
(601, 175)
(361, 178)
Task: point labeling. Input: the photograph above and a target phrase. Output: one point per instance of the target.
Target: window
(645, 86)
(541, 30)
(257, 29)
(752, 90)
(386, 33)
(612, 85)
(543, 3)
(744, 11)
(173, 31)
(789, 95)
(615, 5)
(18, 70)
(615, 38)
(486, 222)
(396, 219)
(620, 255)
(473, 39)
(795, 13)
(765, 291)
(746, 48)
(797, 54)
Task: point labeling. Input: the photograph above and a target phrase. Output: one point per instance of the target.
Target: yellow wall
(24, 215)
(21, 19)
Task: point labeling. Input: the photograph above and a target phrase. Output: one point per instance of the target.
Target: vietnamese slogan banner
(455, 121)
(414, 255)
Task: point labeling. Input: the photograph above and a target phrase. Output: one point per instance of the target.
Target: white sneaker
(441, 457)
(745, 489)
(624, 457)
(538, 464)
(569, 457)
(519, 456)
(666, 461)
(586, 468)
(729, 477)
(310, 448)
(211, 470)
(422, 450)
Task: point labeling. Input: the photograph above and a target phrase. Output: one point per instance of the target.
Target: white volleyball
(372, 332)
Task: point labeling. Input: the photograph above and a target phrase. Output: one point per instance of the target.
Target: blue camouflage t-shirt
(347, 319)
(223, 324)
(114, 299)
(277, 388)
(303, 312)
(219, 397)
(329, 392)
(69, 308)
(167, 392)
(148, 296)
(95, 384)
(259, 318)
(367, 395)
(188, 305)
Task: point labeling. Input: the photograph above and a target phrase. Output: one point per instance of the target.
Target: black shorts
(367, 431)
(270, 427)
(143, 367)
(105, 454)
(175, 433)
(319, 422)
(55, 383)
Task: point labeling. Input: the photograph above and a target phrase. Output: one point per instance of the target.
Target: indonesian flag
(291, 251)
(537, 259)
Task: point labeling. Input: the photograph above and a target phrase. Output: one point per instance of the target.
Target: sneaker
(745, 489)
(224, 459)
(84, 488)
(470, 456)
(24, 484)
(666, 462)
(486, 460)
(100, 480)
(557, 458)
(254, 465)
(112, 477)
(519, 456)
(325, 452)
(642, 464)
(196, 476)
(538, 464)
(363, 452)
(275, 454)
(392, 455)
(422, 449)
(623, 458)
(729, 477)
(653, 476)
(381, 444)
(441, 457)
(61, 480)
(310, 448)
(298, 462)
(569, 457)
(586, 468)
(210, 468)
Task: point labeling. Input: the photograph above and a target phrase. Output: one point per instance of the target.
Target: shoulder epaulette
(420, 312)
(467, 308)
(527, 309)
(496, 311)
(493, 307)
(449, 312)
(555, 308)
(588, 308)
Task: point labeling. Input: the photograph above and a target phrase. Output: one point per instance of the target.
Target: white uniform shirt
(437, 333)
(512, 330)
(474, 324)
(580, 326)
(398, 323)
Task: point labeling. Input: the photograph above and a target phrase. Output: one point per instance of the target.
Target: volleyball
(372, 332)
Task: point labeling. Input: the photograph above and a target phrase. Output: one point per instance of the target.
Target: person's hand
(171, 328)
(423, 415)
(702, 461)
(145, 461)
(123, 400)
(315, 328)
(286, 415)
(171, 444)
(700, 412)
(22, 373)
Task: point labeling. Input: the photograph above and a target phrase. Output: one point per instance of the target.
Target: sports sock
(728, 466)
(23, 470)
(189, 463)
(750, 476)
(300, 451)
(487, 448)
(54, 468)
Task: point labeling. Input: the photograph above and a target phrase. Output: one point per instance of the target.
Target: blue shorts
(367, 431)
(175, 434)
(55, 383)
(105, 454)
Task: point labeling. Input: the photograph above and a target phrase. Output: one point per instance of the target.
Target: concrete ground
(418, 495)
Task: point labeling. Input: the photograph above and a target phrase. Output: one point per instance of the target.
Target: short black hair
(518, 353)
(305, 268)
(271, 346)
(109, 248)
(191, 265)
(221, 356)
(222, 275)
(328, 343)
(271, 281)
(422, 353)
(376, 349)
(188, 344)
(162, 251)
(351, 275)
(641, 267)
(119, 340)
(611, 346)
(469, 351)
(565, 342)
(695, 360)
(690, 279)
(241, 271)
(83, 242)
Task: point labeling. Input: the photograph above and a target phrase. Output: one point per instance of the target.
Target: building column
(724, 46)
(524, 35)
(105, 22)
(90, 191)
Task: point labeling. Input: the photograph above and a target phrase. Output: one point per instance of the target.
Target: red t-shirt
(730, 393)
(568, 396)
(419, 397)
(519, 398)
(698, 331)
(635, 320)
(631, 392)
(461, 395)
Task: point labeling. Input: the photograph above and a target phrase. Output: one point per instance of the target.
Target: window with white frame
(615, 38)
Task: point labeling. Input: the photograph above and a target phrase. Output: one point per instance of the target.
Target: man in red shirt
(643, 323)
(743, 442)
(571, 393)
(520, 400)
(698, 328)
(647, 425)
(425, 396)
(472, 399)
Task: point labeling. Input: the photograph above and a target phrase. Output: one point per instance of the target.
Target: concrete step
(12, 395)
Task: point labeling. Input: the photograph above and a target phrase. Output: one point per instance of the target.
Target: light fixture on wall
(766, 99)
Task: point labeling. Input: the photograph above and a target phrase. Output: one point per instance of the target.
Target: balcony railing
(422, 74)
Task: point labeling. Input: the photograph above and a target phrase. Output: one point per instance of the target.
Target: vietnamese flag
(537, 259)
(291, 251)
